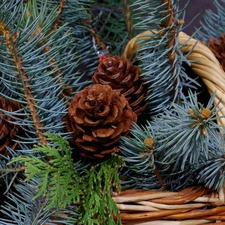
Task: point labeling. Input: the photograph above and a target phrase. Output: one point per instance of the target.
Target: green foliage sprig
(98, 204)
(58, 177)
(64, 183)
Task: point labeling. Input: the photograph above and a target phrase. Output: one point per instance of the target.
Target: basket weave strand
(195, 205)
(191, 206)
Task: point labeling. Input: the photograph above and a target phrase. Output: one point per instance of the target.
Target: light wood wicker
(191, 206)
(195, 205)
(203, 63)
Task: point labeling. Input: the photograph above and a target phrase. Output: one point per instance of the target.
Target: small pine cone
(98, 116)
(121, 75)
(8, 129)
(218, 49)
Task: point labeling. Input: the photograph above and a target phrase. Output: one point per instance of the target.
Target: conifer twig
(60, 11)
(171, 25)
(23, 76)
(150, 144)
(159, 178)
(97, 41)
(128, 18)
(54, 64)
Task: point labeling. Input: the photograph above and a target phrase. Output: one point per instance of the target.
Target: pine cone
(218, 49)
(121, 75)
(8, 129)
(98, 116)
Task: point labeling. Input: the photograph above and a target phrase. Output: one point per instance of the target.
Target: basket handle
(203, 63)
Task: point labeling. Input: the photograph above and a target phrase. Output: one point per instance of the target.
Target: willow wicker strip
(203, 63)
(194, 205)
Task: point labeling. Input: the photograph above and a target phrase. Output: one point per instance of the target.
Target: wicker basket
(195, 205)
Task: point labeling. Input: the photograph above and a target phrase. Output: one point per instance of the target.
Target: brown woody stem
(128, 19)
(98, 40)
(17, 169)
(60, 11)
(169, 22)
(9, 39)
(150, 143)
(159, 178)
(52, 61)
(171, 25)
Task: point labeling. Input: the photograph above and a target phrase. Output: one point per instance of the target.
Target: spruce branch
(53, 26)
(158, 52)
(113, 35)
(212, 173)
(186, 140)
(213, 23)
(11, 41)
(187, 134)
(77, 17)
(35, 56)
(138, 154)
(170, 25)
(22, 209)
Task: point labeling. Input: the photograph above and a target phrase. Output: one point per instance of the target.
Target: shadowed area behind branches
(194, 8)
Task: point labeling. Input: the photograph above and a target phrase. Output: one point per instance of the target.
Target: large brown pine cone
(218, 48)
(8, 129)
(121, 75)
(98, 116)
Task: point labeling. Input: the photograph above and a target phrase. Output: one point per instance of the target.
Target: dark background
(194, 8)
